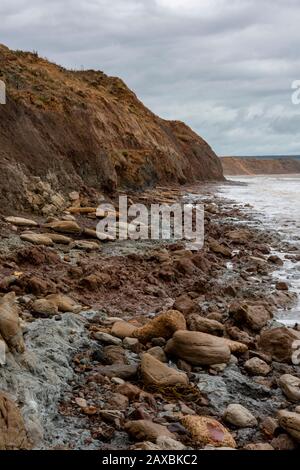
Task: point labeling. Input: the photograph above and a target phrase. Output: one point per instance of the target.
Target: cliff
(82, 129)
(235, 166)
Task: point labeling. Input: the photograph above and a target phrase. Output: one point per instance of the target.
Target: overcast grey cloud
(224, 66)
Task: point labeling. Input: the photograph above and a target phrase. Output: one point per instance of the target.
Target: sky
(225, 67)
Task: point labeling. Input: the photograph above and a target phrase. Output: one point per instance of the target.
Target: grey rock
(107, 339)
(234, 387)
(38, 378)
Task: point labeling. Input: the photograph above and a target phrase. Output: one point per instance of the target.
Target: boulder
(113, 354)
(163, 326)
(158, 353)
(64, 226)
(44, 307)
(143, 430)
(290, 422)
(10, 328)
(269, 426)
(21, 222)
(238, 335)
(122, 329)
(154, 372)
(207, 431)
(107, 339)
(13, 434)
(239, 416)
(36, 239)
(235, 346)
(64, 303)
(291, 387)
(254, 317)
(256, 366)
(278, 342)
(184, 304)
(198, 348)
(283, 442)
(59, 239)
(197, 323)
(132, 344)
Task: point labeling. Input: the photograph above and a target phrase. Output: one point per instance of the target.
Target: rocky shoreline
(144, 345)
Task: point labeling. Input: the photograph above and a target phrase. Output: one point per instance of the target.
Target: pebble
(106, 338)
(256, 366)
(117, 381)
(239, 416)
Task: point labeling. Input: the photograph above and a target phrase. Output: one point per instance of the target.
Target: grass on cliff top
(38, 82)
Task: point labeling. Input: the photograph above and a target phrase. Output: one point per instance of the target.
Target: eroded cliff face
(85, 129)
(235, 166)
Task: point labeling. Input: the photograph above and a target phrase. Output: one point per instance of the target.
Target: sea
(276, 202)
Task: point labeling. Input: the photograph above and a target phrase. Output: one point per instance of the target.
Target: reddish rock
(185, 304)
(270, 427)
(13, 434)
(279, 343)
(118, 401)
(281, 285)
(162, 326)
(37, 255)
(201, 262)
(275, 260)
(185, 266)
(33, 284)
(238, 335)
(220, 249)
(283, 442)
(253, 316)
(114, 354)
(132, 392)
(197, 323)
